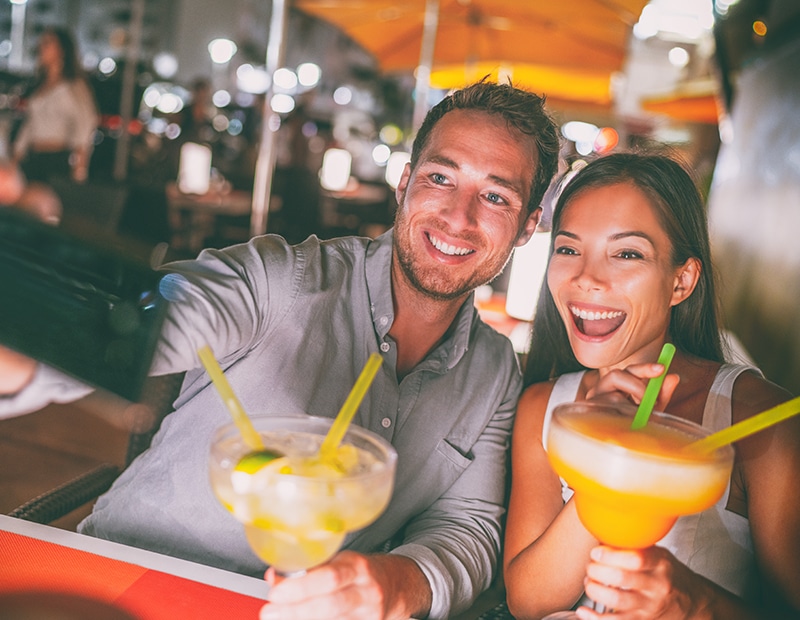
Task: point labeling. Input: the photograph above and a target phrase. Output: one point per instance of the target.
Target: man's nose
(461, 210)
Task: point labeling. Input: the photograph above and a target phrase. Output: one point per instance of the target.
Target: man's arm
(16, 371)
(26, 385)
(456, 541)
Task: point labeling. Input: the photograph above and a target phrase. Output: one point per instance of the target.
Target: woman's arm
(546, 547)
(770, 466)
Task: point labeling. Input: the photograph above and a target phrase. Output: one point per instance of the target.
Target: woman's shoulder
(536, 395)
(753, 393)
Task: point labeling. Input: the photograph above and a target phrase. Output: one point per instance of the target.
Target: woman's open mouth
(597, 324)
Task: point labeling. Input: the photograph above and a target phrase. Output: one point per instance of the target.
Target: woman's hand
(642, 584)
(628, 385)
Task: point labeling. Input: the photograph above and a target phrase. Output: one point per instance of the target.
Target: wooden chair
(158, 395)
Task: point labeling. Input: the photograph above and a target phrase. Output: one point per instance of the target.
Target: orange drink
(631, 485)
(297, 509)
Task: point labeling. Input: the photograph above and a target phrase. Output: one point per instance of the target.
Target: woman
(629, 270)
(56, 137)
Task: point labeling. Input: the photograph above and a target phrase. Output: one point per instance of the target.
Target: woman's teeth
(588, 315)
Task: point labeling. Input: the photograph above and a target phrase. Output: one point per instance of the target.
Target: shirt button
(386, 423)
(385, 347)
(384, 320)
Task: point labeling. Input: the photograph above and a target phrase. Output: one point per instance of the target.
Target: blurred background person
(57, 133)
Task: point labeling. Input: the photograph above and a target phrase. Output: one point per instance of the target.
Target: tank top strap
(717, 413)
(565, 390)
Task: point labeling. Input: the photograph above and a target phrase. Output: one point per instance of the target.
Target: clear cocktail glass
(295, 507)
(632, 485)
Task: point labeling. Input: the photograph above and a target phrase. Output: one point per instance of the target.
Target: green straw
(653, 388)
(747, 427)
(245, 426)
(348, 410)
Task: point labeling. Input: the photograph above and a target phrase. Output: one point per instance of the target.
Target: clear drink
(296, 510)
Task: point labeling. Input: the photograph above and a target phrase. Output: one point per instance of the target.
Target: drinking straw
(348, 410)
(653, 388)
(747, 427)
(245, 426)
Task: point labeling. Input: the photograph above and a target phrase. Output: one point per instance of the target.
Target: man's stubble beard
(444, 290)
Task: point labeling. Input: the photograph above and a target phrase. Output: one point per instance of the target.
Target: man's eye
(438, 178)
(492, 197)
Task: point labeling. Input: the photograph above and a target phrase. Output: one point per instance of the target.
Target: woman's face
(612, 277)
(50, 51)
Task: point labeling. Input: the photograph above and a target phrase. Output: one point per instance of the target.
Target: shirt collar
(379, 278)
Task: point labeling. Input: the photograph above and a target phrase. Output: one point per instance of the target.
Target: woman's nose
(590, 276)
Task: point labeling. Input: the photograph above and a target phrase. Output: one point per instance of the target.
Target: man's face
(464, 208)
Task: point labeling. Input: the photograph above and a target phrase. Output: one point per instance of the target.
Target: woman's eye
(564, 250)
(630, 254)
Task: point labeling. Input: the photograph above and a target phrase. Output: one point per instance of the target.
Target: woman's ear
(686, 277)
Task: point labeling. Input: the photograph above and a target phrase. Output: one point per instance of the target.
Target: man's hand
(351, 586)
(16, 371)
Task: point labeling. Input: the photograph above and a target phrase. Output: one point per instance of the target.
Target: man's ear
(402, 185)
(528, 228)
(686, 278)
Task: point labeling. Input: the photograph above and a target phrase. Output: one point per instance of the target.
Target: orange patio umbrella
(566, 49)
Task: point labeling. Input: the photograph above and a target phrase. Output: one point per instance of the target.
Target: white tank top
(715, 543)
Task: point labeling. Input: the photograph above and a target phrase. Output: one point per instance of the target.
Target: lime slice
(251, 462)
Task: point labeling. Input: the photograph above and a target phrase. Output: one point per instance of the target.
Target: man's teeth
(446, 248)
(587, 315)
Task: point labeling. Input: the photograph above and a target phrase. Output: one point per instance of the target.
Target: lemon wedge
(252, 462)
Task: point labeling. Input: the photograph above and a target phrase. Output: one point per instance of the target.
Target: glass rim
(383, 445)
(667, 420)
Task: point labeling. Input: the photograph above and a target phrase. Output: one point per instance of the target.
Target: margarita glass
(297, 508)
(632, 485)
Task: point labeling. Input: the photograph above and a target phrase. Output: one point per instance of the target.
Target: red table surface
(30, 564)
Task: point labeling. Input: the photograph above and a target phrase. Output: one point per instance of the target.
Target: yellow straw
(249, 434)
(751, 425)
(348, 410)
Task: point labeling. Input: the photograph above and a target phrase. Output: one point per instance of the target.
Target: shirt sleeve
(456, 541)
(225, 300)
(48, 386)
(85, 116)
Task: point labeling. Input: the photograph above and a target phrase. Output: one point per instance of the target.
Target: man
(294, 325)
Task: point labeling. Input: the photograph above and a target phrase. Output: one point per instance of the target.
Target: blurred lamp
(285, 79)
(194, 168)
(528, 268)
(282, 103)
(252, 79)
(221, 50)
(308, 74)
(165, 64)
(335, 172)
(381, 154)
(221, 98)
(343, 95)
(394, 167)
